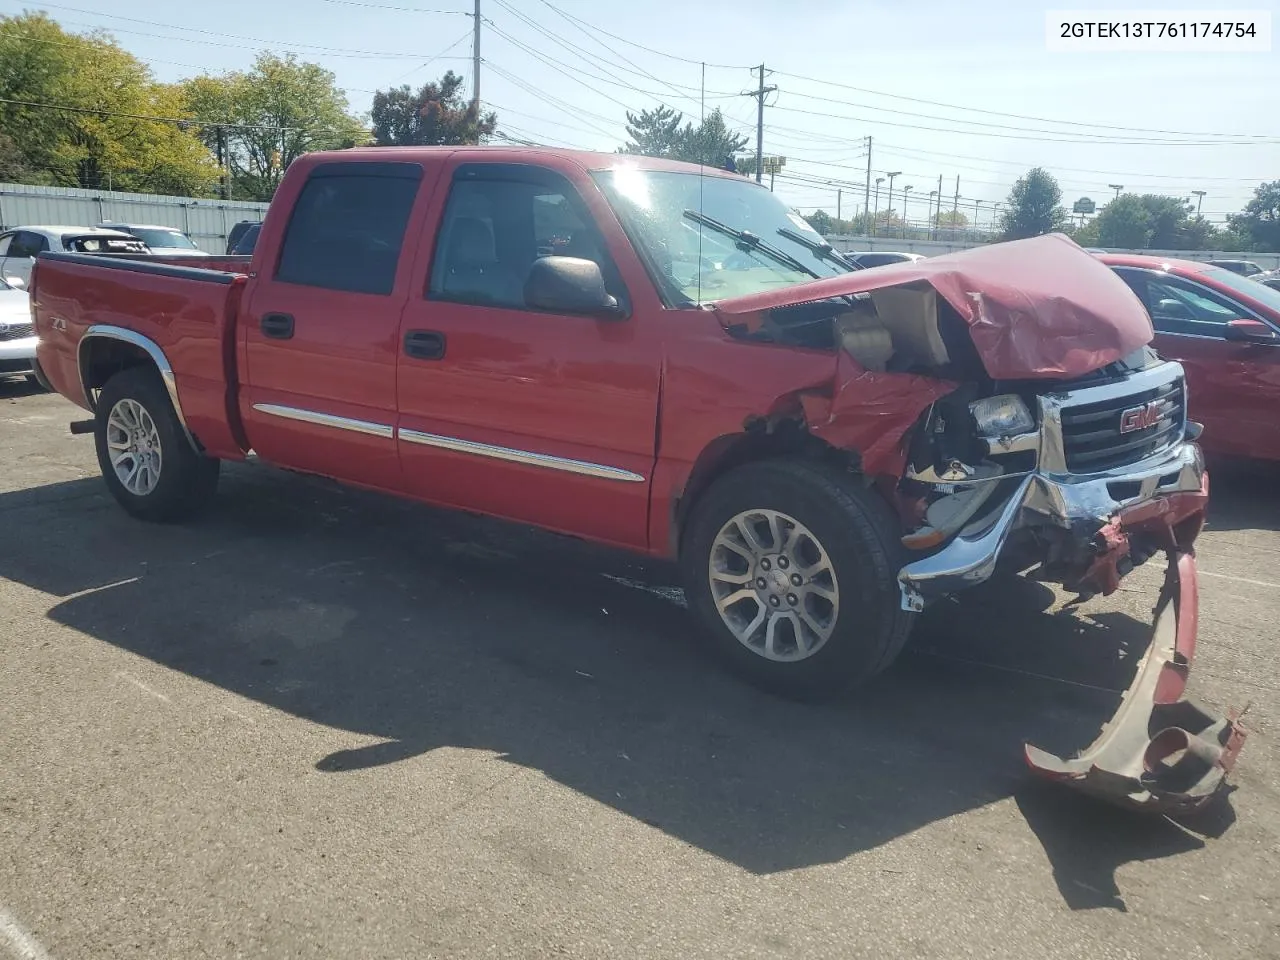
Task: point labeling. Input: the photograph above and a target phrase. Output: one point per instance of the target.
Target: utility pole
(955, 204)
(866, 200)
(888, 210)
(1117, 187)
(876, 214)
(1199, 195)
(937, 224)
(475, 62)
(905, 190)
(933, 217)
(759, 93)
(839, 199)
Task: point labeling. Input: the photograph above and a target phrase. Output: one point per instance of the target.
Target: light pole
(977, 217)
(933, 220)
(889, 208)
(1199, 195)
(876, 215)
(1117, 187)
(905, 190)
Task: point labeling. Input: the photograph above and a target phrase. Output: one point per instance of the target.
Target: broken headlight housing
(1003, 416)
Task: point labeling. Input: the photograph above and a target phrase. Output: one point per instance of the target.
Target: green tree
(1034, 207)
(653, 133)
(1259, 224)
(952, 218)
(821, 221)
(263, 119)
(13, 164)
(435, 115)
(710, 142)
(1125, 222)
(78, 111)
(658, 133)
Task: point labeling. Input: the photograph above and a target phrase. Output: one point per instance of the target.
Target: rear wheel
(793, 569)
(146, 459)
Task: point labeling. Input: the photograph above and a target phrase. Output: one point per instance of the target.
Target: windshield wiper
(824, 250)
(746, 241)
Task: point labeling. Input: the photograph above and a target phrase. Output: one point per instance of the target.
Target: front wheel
(793, 568)
(146, 459)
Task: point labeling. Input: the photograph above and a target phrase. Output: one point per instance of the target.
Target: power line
(1015, 136)
(330, 51)
(997, 113)
(641, 46)
(383, 6)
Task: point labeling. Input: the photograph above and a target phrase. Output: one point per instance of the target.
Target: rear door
(536, 416)
(319, 329)
(1233, 388)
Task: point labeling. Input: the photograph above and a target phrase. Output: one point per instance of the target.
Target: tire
(182, 482)
(850, 526)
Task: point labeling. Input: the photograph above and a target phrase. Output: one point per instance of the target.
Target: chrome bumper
(1050, 496)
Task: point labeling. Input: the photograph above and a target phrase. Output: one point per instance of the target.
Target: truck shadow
(1244, 495)
(428, 629)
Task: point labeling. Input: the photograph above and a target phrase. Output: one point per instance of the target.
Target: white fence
(933, 248)
(204, 221)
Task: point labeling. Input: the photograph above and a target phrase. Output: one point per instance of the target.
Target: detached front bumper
(1159, 752)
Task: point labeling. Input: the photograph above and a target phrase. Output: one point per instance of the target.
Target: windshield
(154, 237)
(711, 238)
(1252, 289)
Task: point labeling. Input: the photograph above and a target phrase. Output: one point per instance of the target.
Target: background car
(20, 247)
(880, 258)
(160, 239)
(1225, 330)
(1246, 268)
(17, 335)
(248, 240)
(238, 231)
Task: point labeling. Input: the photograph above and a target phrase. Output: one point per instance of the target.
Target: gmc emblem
(1140, 418)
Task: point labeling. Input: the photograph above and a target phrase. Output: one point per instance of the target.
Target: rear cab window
(346, 230)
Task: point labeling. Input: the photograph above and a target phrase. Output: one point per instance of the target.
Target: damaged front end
(1006, 400)
(1078, 492)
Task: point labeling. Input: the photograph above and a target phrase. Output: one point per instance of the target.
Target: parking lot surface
(323, 723)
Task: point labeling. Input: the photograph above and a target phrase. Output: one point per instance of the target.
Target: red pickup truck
(663, 358)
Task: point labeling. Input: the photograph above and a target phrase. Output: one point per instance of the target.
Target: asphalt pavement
(322, 723)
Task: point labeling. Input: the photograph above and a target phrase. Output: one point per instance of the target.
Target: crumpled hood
(1041, 308)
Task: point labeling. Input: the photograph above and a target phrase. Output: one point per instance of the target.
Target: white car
(20, 247)
(17, 336)
(169, 241)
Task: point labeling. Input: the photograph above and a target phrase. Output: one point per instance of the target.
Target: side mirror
(1174, 309)
(1250, 331)
(16, 282)
(570, 285)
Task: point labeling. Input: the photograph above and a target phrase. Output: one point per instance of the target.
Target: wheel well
(101, 358)
(775, 440)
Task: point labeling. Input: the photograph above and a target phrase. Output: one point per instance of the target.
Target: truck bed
(184, 312)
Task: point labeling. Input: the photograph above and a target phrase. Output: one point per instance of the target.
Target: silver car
(17, 335)
(20, 247)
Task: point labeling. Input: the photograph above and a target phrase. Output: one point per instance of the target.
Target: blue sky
(943, 56)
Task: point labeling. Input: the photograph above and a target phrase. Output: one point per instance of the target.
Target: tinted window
(1177, 306)
(348, 225)
(494, 230)
(27, 244)
(4, 244)
(153, 237)
(248, 240)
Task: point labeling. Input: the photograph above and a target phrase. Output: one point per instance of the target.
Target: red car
(693, 374)
(1225, 331)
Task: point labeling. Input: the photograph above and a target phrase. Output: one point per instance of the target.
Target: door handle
(424, 344)
(277, 326)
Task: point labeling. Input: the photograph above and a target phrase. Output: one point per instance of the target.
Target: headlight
(1002, 416)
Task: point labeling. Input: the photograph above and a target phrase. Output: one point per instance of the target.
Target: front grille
(1095, 438)
(17, 331)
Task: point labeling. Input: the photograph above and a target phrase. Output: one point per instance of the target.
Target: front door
(1232, 388)
(319, 329)
(535, 416)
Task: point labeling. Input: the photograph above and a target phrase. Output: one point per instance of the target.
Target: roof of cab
(585, 159)
(62, 230)
(1153, 263)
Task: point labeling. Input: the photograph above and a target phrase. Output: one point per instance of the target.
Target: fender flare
(148, 346)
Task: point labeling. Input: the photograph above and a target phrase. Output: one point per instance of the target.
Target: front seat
(472, 270)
